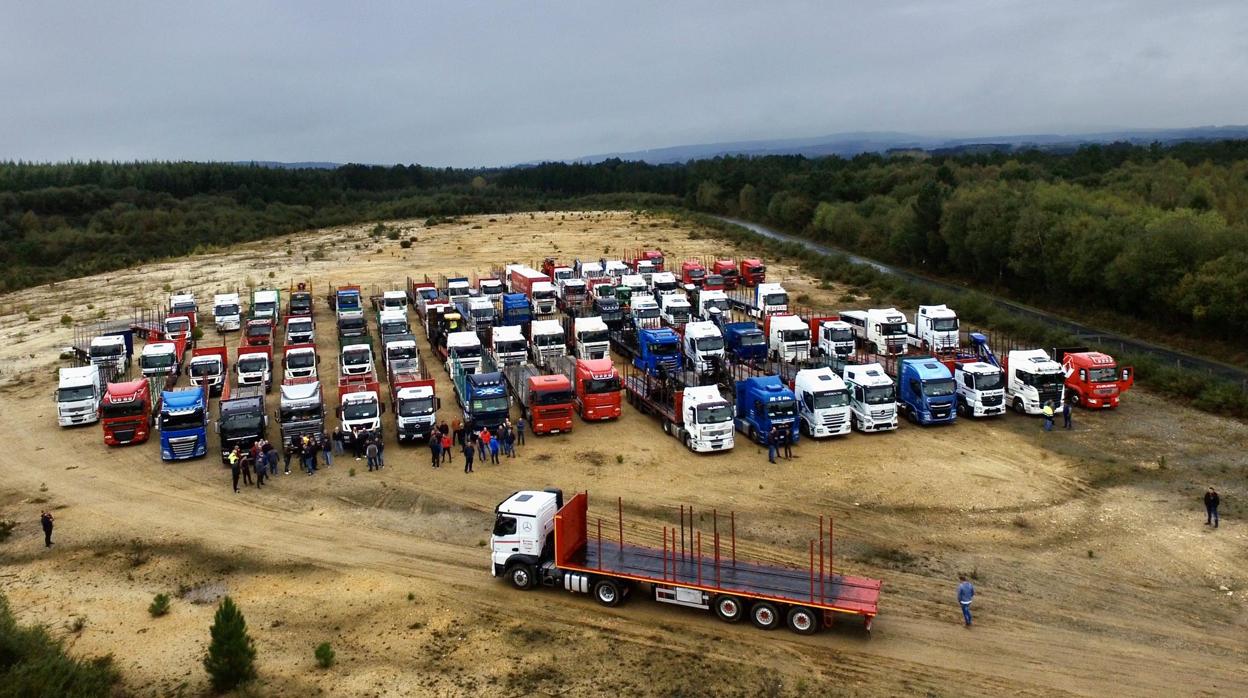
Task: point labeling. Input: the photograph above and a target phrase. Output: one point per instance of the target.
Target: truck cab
(1033, 379)
(727, 269)
(226, 312)
(126, 412)
(159, 359)
(413, 402)
(490, 288)
(675, 310)
(356, 360)
(546, 340)
(764, 402)
(348, 303)
(78, 394)
(609, 309)
(508, 346)
(761, 300)
(352, 326)
(524, 524)
(692, 273)
(753, 272)
(254, 366)
(836, 338)
(183, 424)
(872, 397)
(935, 329)
(457, 289)
(391, 323)
(359, 405)
(1093, 379)
(482, 396)
(259, 332)
(179, 326)
(543, 298)
(299, 301)
(400, 348)
(242, 421)
(516, 309)
(394, 300)
(703, 347)
(883, 329)
(208, 368)
(615, 268)
(480, 313)
(266, 303)
(744, 342)
(301, 408)
(645, 312)
(665, 283)
(572, 291)
(299, 361)
(596, 384)
(300, 329)
(636, 285)
(926, 390)
(658, 351)
(981, 389)
(706, 419)
(709, 302)
(822, 403)
(788, 338)
(180, 303)
(112, 352)
(466, 346)
(592, 338)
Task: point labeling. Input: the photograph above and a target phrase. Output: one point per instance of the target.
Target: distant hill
(855, 143)
(291, 165)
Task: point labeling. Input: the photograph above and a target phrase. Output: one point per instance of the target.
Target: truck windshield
(258, 330)
(415, 407)
(106, 351)
(646, 313)
(781, 408)
(795, 336)
(467, 352)
(489, 404)
(547, 340)
(594, 336)
(662, 286)
(428, 293)
(679, 315)
(263, 308)
(483, 313)
(709, 343)
(880, 394)
(672, 349)
(299, 327)
(509, 347)
(301, 360)
(253, 365)
(304, 413)
(552, 397)
(695, 273)
(753, 340)
(758, 270)
(988, 382)
(720, 303)
(892, 328)
(177, 324)
(840, 335)
(225, 310)
(596, 386)
(359, 410)
(82, 392)
(205, 368)
(398, 353)
(183, 308)
(939, 388)
(1050, 380)
(355, 358)
(1102, 375)
(776, 299)
(299, 304)
(830, 398)
(946, 324)
(352, 324)
(185, 420)
(714, 413)
(543, 295)
(236, 425)
(394, 327)
(134, 408)
(157, 361)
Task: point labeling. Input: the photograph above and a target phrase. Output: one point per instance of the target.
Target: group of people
(487, 442)
(366, 444)
(777, 439)
(261, 459)
(1050, 411)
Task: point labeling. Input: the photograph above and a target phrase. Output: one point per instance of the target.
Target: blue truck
(516, 309)
(652, 350)
(926, 391)
(744, 342)
(763, 402)
(482, 395)
(183, 423)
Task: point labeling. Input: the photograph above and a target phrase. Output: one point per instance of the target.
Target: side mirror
(338, 412)
(437, 403)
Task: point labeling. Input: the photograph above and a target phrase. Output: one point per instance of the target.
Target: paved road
(1083, 332)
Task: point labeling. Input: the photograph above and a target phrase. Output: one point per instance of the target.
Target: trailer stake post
(682, 532)
(699, 558)
(600, 543)
(812, 571)
(619, 503)
(821, 558)
(665, 552)
(734, 538)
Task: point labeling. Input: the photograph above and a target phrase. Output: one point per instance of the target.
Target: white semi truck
(981, 389)
(1033, 379)
(883, 330)
(872, 398)
(822, 403)
(78, 394)
(935, 329)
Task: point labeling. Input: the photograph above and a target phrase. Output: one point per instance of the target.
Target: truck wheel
(521, 576)
(729, 609)
(1074, 399)
(764, 616)
(1018, 406)
(803, 621)
(608, 593)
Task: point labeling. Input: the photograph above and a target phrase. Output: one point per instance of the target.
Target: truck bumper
(981, 411)
(77, 419)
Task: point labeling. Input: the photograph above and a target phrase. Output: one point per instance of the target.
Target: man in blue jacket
(966, 592)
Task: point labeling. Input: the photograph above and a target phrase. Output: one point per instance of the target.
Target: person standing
(1066, 410)
(786, 438)
(435, 448)
(370, 452)
(45, 520)
(245, 461)
(381, 448)
(469, 452)
(288, 451)
(773, 436)
(484, 442)
(337, 437)
(520, 431)
(357, 441)
(1211, 507)
(509, 441)
(457, 432)
(445, 439)
(236, 466)
(260, 471)
(494, 451)
(966, 592)
(270, 456)
(1047, 411)
(326, 447)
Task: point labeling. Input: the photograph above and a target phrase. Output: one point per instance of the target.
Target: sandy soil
(1094, 573)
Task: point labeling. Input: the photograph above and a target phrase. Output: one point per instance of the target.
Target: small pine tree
(324, 655)
(231, 654)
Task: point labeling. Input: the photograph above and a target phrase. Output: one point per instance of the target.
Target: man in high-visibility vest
(1048, 416)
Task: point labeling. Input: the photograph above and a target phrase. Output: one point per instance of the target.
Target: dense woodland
(1157, 234)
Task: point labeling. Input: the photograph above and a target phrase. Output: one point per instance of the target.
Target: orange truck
(1093, 379)
(546, 401)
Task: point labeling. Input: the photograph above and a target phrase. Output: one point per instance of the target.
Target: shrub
(405, 244)
(67, 320)
(32, 663)
(6, 528)
(324, 655)
(231, 658)
(393, 234)
(160, 605)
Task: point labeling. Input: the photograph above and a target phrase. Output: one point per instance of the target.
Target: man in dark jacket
(469, 452)
(786, 438)
(773, 440)
(966, 593)
(435, 447)
(1211, 507)
(45, 520)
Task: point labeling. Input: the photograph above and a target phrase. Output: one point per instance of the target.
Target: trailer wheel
(803, 621)
(608, 593)
(729, 609)
(764, 616)
(521, 576)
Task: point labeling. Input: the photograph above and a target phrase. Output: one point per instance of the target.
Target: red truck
(692, 272)
(127, 410)
(180, 326)
(1093, 379)
(595, 383)
(726, 268)
(539, 540)
(210, 367)
(258, 333)
(545, 400)
(753, 272)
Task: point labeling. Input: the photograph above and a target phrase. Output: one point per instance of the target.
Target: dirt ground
(1094, 573)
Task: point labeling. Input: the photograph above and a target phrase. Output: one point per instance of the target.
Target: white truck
(935, 329)
(616, 268)
(981, 389)
(159, 359)
(882, 329)
(399, 348)
(788, 338)
(710, 302)
(508, 345)
(635, 283)
(1033, 379)
(360, 406)
(183, 303)
(674, 310)
(392, 322)
(491, 289)
(481, 313)
(457, 290)
(266, 303)
(226, 312)
(394, 300)
(109, 351)
(572, 291)
(299, 362)
(300, 329)
(546, 340)
(872, 398)
(592, 338)
(78, 394)
(707, 420)
(703, 346)
(356, 360)
(467, 347)
(822, 403)
(836, 338)
(665, 283)
(645, 311)
(542, 299)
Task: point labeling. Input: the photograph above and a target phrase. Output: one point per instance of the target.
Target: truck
(210, 367)
(698, 416)
(183, 423)
(536, 287)
(392, 300)
(926, 391)
(763, 402)
(556, 270)
(299, 361)
(788, 338)
(692, 272)
(508, 346)
(665, 283)
(299, 300)
(391, 323)
(708, 302)
(480, 314)
(359, 405)
(112, 351)
(744, 342)
(835, 338)
(595, 384)
(654, 351)
(78, 394)
(674, 310)
(300, 329)
(160, 359)
(127, 411)
(464, 348)
(266, 303)
(347, 302)
(652, 258)
(822, 403)
(546, 401)
(538, 541)
(482, 396)
(981, 389)
(412, 400)
(703, 346)
(588, 337)
(259, 332)
(183, 303)
(254, 366)
(727, 270)
(300, 408)
(442, 322)
(516, 309)
(634, 284)
(760, 300)
(356, 360)
(935, 329)
(227, 312)
(571, 292)
(645, 312)
(419, 293)
(872, 397)
(352, 327)
(753, 272)
(489, 287)
(1033, 380)
(241, 420)
(546, 340)
(399, 347)
(455, 288)
(882, 329)
(1093, 379)
(180, 326)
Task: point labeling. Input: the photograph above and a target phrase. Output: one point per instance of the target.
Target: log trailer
(538, 540)
(698, 416)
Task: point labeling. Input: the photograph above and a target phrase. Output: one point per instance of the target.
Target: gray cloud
(480, 83)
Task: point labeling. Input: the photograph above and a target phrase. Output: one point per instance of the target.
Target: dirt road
(1094, 574)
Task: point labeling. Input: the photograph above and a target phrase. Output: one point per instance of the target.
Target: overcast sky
(486, 83)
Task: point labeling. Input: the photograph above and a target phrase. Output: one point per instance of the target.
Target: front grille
(992, 400)
(942, 413)
(124, 437)
(833, 421)
(557, 414)
(1053, 396)
(183, 447)
(881, 414)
